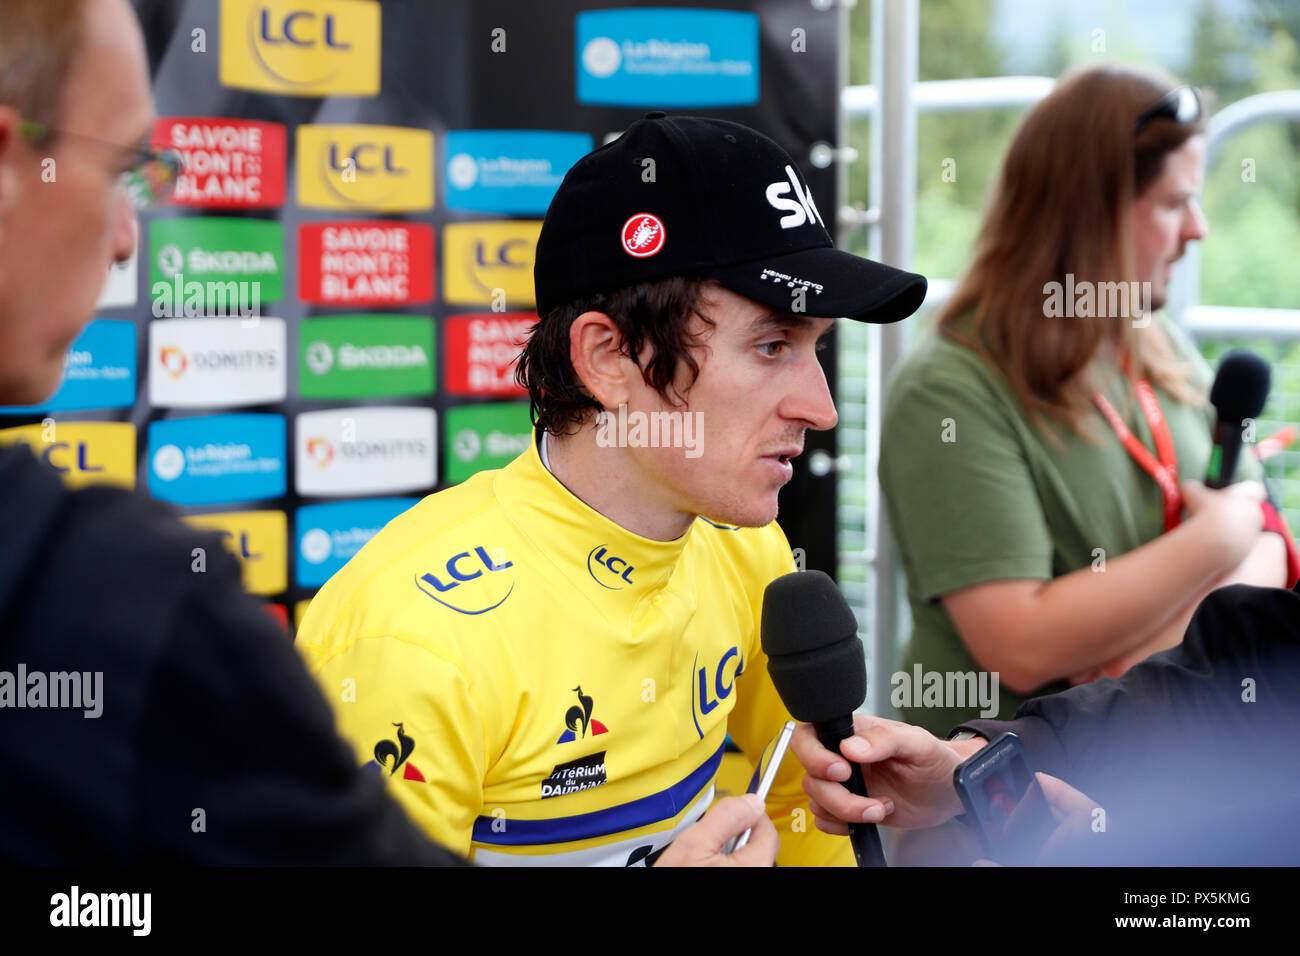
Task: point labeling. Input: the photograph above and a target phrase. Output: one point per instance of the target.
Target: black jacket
(1195, 752)
(213, 745)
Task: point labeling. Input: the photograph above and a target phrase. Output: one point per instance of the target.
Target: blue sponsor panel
(98, 371)
(667, 58)
(330, 534)
(217, 459)
(513, 171)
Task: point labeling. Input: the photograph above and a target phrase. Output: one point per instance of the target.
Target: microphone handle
(1223, 455)
(863, 836)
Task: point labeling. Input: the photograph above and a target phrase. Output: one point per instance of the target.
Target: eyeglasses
(1182, 105)
(153, 172)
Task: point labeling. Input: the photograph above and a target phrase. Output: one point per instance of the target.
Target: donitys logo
(612, 568)
(297, 48)
(320, 450)
(391, 755)
(467, 583)
(578, 720)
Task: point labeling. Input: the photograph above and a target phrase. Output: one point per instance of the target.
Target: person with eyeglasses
(1040, 446)
(150, 710)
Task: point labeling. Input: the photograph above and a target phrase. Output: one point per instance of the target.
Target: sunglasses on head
(152, 174)
(1182, 105)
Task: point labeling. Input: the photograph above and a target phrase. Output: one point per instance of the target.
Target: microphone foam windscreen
(811, 640)
(1241, 387)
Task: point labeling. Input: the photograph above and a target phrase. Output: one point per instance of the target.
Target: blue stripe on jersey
(663, 805)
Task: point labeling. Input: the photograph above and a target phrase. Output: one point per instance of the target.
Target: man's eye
(773, 347)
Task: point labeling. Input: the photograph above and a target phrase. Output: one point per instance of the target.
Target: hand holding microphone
(817, 665)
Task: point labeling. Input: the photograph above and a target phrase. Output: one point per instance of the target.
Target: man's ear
(596, 352)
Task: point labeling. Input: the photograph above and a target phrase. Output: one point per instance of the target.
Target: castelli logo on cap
(643, 235)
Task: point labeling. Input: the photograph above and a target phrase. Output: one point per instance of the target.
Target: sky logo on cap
(667, 57)
(83, 453)
(98, 371)
(485, 436)
(643, 235)
(205, 362)
(509, 171)
(229, 163)
(489, 263)
(259, 539)
(365, 263)
(330, 534)
(380, 168)
(217, 459)
(483, 350)
(297, 48)
(366, 355)
(372, 450)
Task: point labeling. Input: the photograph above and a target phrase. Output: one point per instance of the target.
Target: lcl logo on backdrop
(258, 539)
(301, 48)
(480, 258)
(83, 453)
(379, 168)
(371, 450)
(198, 362)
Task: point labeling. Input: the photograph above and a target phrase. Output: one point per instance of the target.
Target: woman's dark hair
(655, 314)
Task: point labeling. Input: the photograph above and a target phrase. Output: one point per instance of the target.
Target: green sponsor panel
(209, 261)
(365, 356)
(479, 437)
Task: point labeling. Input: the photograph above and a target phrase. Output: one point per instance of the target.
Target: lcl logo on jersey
(473, 568)
(383, 168)
(301, 49)
(710, 686)
(613, 568)
(799, 210)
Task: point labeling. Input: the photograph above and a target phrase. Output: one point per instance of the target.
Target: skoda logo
(320, 357)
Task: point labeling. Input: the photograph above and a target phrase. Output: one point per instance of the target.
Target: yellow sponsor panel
(301, 47)
(483, 260)
(372, 168)
(84, 453)
(259, 539)
(299, 611)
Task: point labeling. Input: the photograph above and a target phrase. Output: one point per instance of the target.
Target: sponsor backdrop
(321, 326)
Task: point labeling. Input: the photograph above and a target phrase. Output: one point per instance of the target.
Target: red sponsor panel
(481, 351)
(229, 163)
(280, 614)
(365, 263)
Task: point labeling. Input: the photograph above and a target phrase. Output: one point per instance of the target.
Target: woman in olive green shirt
(1038, 545)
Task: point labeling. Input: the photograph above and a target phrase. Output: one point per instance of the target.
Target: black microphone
(1239, 392)
(817, 665)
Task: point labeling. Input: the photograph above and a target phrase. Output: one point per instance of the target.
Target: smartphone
(1004, 803)
(764, 773)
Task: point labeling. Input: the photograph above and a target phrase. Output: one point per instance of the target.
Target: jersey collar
(615, 567)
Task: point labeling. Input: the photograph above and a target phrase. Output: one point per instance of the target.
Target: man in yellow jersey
(545, 660)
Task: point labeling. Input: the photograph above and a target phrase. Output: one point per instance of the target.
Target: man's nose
(810, 399)
(1194, 224)
(125, 227)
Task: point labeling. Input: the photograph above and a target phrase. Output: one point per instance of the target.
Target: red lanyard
(1164, 471)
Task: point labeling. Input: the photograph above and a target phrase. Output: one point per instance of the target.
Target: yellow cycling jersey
(541, 686)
